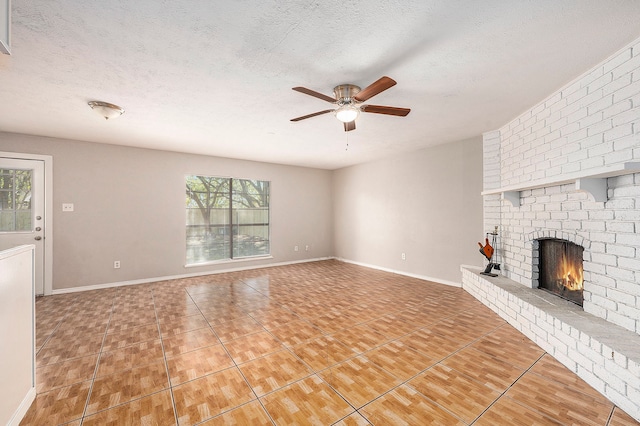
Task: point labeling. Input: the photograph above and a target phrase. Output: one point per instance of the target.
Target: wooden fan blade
(311, 115)
(350, 126)
(382, 84)
(380, 109)
(315, 94)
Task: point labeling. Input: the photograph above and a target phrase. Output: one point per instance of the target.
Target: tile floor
(321, 343)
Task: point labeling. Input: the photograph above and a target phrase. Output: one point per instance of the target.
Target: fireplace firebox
(560, 269)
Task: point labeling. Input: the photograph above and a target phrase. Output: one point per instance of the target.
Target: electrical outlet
(403, 256)
(116, 264)
(295, 248)
(306, 248)
(67, 207)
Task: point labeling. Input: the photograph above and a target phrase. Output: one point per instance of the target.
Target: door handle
(38, 238)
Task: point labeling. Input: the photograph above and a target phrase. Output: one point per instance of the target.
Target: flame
(571, 273)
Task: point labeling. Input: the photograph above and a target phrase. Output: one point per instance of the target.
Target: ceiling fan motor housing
(344, 93)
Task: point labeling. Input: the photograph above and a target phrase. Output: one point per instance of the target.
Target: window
(15, 200)
(226, 218)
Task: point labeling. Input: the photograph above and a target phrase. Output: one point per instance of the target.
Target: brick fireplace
(569, 169)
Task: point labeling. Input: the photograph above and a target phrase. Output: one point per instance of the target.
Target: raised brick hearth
(606, 356)
(568, 169)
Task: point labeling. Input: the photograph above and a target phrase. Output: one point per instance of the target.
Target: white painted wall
(426, 204)
(17, 331)
(130, 206)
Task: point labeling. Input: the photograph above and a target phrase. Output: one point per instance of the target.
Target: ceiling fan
(349, 99)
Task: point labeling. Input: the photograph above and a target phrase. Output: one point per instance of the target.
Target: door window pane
(15, 200)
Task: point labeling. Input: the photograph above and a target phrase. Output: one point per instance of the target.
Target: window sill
(228, 261)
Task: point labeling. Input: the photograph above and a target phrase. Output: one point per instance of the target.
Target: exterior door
(22, 208)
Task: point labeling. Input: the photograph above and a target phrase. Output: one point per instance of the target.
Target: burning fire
(571, 273)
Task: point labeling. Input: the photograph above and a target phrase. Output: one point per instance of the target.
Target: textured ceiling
(215, 77)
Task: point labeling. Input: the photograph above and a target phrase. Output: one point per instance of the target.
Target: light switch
(67, 207)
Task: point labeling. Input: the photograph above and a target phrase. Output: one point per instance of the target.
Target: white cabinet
(17, 333)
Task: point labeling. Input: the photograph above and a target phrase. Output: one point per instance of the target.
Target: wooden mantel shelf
(593, 181)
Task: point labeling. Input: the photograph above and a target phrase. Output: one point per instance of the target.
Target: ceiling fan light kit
(349, 98)
(106, 110)
(347, 113)
(347, 110)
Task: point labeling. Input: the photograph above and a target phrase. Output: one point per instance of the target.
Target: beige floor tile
(432, 344)
(274, 318)
(620, 418)
(354, 419)
(508, 343)
(405, 406)
(331, 322)
(58, 406)
(65, 373)
(306, 309)
(273, 310)
(323, 352)
(252, 346)
(360, 338)
(179, 325)
(61, 348)
(211, 395)
(454, 391)
(308, 401)
(296, 332)
(391, 326)
(249, 304)
(359, 380)
(83, 325)
(507, 411)
(221, 313)
(399, 360)
(251, 413)
(492, 372)
(170, 313)
(550, 368)
(416, 319)
(189, 341)
(125, 386)
(136, 355)
(567, 405)
(128, 337)
(454, 329)
(197, 363)
(237, 328)
(274, 371)
(463, 325)
(156, 409)
(126, 322)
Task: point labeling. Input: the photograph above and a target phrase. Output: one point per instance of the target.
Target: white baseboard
(23, 407)
(406, 274)
(176, 277)
(245, 268)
